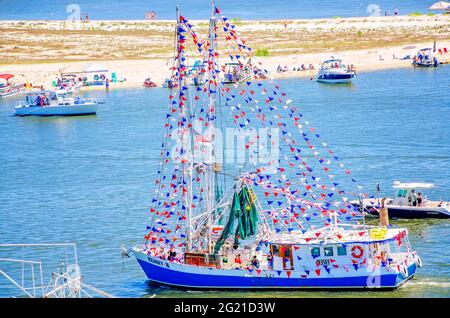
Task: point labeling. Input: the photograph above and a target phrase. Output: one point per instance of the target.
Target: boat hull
(193, 277)
(59, 110)
(335, 78)
(413, 213)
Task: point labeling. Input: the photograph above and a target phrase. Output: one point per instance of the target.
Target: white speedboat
(335, 72)
(409, 203)
(55, 103)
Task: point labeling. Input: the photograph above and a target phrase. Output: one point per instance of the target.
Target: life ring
(418, 261)
(404, 271)
(360, 251)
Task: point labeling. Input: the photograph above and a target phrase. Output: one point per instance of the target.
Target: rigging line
(165, 141)
(237, 40)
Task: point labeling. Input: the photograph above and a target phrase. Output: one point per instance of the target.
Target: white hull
(57, 110)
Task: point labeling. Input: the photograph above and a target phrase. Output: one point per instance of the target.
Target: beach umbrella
(441, 5)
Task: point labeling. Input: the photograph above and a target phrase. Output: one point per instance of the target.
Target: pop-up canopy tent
(95, 68)
(71, 69)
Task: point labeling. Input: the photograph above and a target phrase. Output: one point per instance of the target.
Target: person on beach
(285, 25)
(107, 84)
(395, 11)
(386, 13)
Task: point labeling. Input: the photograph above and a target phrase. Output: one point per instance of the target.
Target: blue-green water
(88, 179)
(200, 9)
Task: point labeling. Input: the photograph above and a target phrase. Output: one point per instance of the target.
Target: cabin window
(402, 193)
(287, 252)
(275, 250)
(315, 252)
(328, 251)
(341, 251)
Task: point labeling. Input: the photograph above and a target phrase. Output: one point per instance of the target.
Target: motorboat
(55, 103)
(335, 72)
(197, 73)
(236, 73)
(408, 203)
(425, 58)
(7, 88)
(148, 83)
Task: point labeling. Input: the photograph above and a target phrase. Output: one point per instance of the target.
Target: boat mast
(210, 199)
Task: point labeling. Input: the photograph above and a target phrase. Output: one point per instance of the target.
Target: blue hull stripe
(171, 277)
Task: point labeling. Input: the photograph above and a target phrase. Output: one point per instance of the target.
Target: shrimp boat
(55, 103)
(406, 203)
(335, 72)
(279, 221)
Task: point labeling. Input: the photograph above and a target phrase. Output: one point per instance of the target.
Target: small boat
(169, 83)
(196, 74)
(236, 73)
(55, 103)
(335, 72)
(148, 83)
(282, 233)
(7, 88)
(425, 58)
(70, 83)
(408, 203)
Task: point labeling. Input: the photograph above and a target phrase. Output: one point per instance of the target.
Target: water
(200, 9)
(88, 179)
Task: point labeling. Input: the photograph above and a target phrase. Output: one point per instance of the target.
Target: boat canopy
(345, 237)
(71, 69)
(412, 185)
(332, 61)
(6, 76)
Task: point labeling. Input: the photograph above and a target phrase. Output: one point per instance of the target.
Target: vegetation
(262, 52)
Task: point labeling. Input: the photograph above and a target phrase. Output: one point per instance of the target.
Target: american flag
(200, 138)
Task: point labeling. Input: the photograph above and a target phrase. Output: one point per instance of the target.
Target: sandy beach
(136, 50)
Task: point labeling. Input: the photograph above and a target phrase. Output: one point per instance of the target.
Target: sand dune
(135, 50)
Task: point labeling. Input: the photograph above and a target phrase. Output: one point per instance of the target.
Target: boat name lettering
(323, 262)
(156, 261)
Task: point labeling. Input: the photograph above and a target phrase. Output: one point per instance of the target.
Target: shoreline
(138, 49)
(136, 71)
